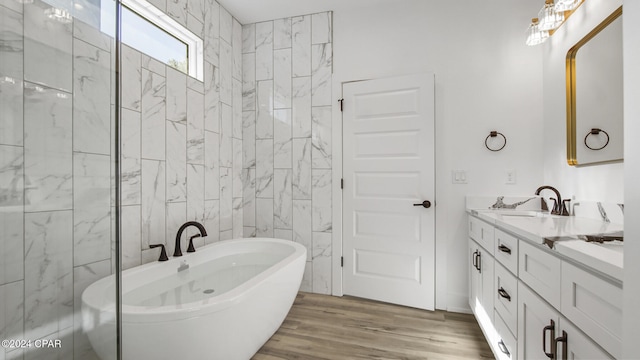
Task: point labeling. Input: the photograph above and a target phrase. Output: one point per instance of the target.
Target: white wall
(631, 310)
(486, 79)
(596, 183)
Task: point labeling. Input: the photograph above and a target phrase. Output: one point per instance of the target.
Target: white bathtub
(168, 314)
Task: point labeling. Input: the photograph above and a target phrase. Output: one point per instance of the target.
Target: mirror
(594, 95)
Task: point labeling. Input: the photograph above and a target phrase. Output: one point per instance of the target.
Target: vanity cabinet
(533, 304)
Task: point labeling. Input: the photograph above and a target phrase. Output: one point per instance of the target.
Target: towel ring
(492, 135)
(596, 131)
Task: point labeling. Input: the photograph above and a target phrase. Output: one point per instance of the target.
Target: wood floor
(336, 328)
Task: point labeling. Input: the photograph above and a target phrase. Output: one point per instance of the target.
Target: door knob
(426, 204)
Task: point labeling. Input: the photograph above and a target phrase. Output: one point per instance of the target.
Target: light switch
(510, 176)
(459, 177)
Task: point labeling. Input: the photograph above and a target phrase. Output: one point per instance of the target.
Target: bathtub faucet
(203, 233)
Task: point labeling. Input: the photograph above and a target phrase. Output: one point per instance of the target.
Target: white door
(388, 159)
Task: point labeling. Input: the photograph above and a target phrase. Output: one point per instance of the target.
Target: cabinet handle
(504, 293)
(565, 350)
(474, 261)
(504, 249)
(479, 262)
(503, 348)
(552, 328)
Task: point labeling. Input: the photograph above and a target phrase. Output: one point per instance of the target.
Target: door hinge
(341, 261)
(341, 183)
(341, 101)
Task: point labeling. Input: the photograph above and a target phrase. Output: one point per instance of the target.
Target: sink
(519, 213)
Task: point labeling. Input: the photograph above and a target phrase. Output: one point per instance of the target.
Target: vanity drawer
(506, 250)
(482, 233)
(505, 342)
(541, 271)
(506, 297)
(594, 305)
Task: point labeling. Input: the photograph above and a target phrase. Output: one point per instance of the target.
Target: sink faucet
(559, 207)
(203, 233)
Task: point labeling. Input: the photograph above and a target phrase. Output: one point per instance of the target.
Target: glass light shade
(535, 36)
(60, 15)
(566, 5)
(549, 18)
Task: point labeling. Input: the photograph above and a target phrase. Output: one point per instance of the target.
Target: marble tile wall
(286, 137)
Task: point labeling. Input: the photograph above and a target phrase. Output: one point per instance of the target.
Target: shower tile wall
(286, 132)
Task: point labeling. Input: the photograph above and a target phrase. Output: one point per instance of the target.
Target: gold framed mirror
(594, 95)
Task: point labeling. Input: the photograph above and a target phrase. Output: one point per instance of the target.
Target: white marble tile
(226, 235)
(249, 139)
(91, 208)
(283, 234)
(264, 168)
(48, 48)
(48, 278)
(212, 32)
(131, 78)
(301, 169)
(237, 109)
(249, 232)
(321, 194)
(12, 49)
(264, 122)
(195, 192)
(211, 98)
(236, 44)
(151, 255)
(302, 233)
(153, 115)
(176, 162)
(211, 221)
(176, 216)
(11, 66)
(264, 218)
(249, 82)
(226, 143)
(321, 31)
(226, 199)
(264, 50)
(321, 65)
(321, 129)
(198, 9)
(48, 162)
(177, 10)
(226, 73)
(322, 263)
(131, 236)
(16, 7)
(11, 312)
(282, 79)
(282, 199)
(153, 202)
(212, 166)
(226, 25)
(249, 197)
(11, 111)
(195, 85)
(195, 128)
(91, 34)
(130, 157)
(11, 217)
(248, 38)
(237, 168)
(91, 99)
(83, 276)
(282, 33)
(301, 45)
(301, 106)
(160, 4)
(307, 278)
(282, 155)
(176, 95)
(194, 25)
(237, 218)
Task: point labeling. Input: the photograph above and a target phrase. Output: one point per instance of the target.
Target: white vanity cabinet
(535, 303)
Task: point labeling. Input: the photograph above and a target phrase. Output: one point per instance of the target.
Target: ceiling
(251, 11)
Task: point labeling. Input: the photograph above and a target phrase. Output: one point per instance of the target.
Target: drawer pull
(479, 262)
(504, 249)
(474, 261)
(562, 339)
(503, 348)
(552, 328)
(504, 294)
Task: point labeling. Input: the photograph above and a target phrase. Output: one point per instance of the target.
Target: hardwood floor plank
(329, 327)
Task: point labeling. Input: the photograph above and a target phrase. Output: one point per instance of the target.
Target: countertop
(535, 226)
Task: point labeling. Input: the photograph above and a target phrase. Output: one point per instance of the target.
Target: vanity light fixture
(549, 18)
(59, 15)
(536, 36)
(566, 5)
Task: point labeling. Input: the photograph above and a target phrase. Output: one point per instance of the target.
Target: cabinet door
(573, 344)
(487, 283)
(538, 325)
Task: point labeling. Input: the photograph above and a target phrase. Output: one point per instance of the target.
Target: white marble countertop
(534, 226)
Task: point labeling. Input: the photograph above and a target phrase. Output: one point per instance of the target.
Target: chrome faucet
(559, 206)
(203, 233)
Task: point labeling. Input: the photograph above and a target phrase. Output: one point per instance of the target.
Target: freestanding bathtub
(226, 305)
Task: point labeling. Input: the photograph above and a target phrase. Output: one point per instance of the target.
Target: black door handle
(426, 204)
(503, 293)
(504, 249)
